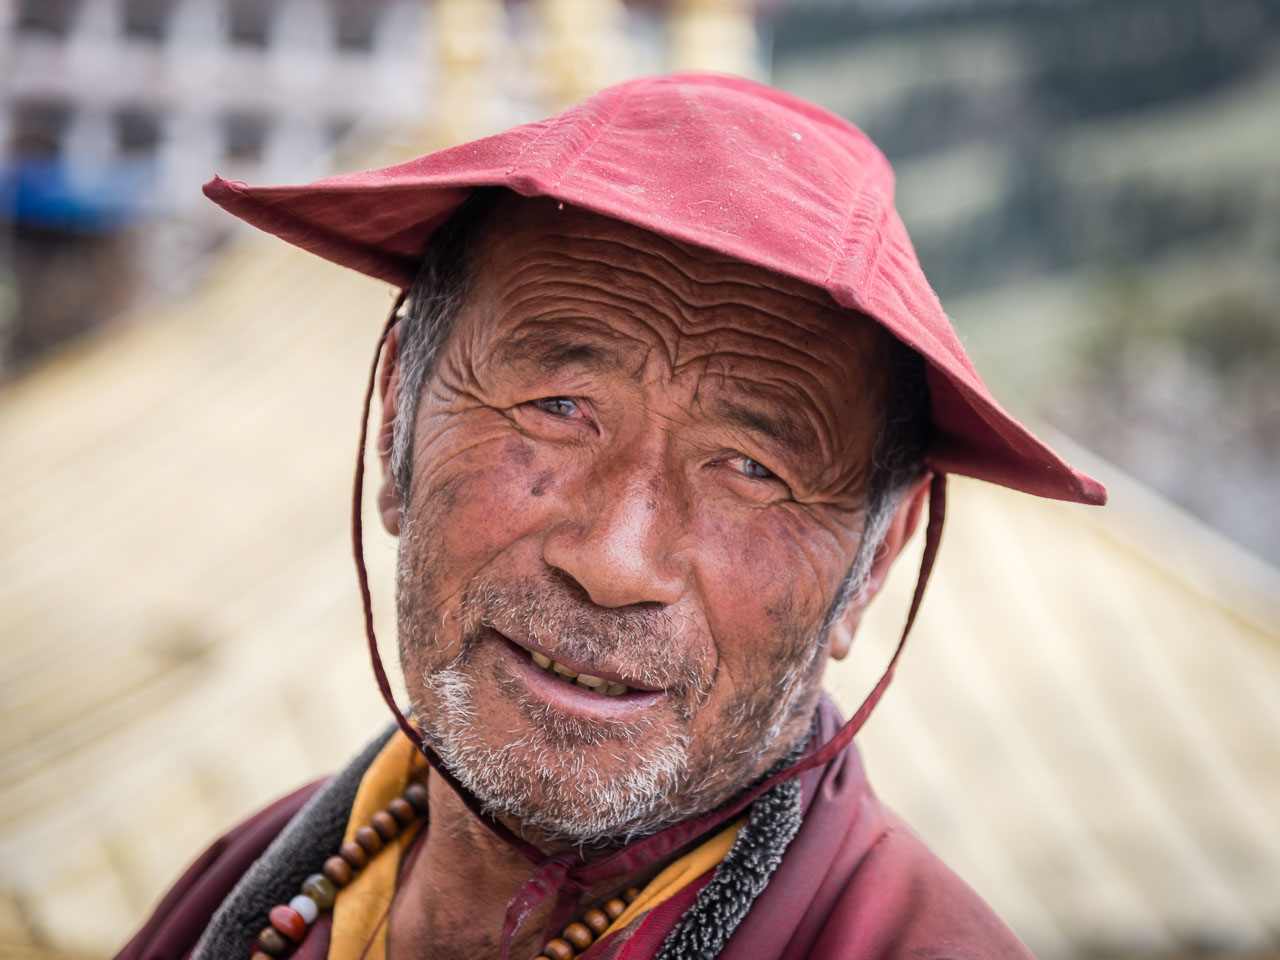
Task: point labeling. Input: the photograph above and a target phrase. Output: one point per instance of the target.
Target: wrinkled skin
(662, 453)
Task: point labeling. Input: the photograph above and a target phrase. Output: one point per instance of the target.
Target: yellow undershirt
(360, 911)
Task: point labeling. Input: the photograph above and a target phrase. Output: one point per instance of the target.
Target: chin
(565, 780)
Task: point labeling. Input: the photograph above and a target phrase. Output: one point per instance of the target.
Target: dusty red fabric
(715, 161)
(855, 884)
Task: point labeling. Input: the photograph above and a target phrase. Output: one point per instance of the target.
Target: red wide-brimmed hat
(716, 161)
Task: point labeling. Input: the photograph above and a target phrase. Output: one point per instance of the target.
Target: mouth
(585, 677)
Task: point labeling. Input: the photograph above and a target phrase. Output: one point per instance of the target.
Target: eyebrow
(793, 433)
(552, 350)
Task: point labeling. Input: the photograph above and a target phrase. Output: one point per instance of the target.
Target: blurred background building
(1088, 723)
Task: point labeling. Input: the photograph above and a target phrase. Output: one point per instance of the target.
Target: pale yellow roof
(1085, 725)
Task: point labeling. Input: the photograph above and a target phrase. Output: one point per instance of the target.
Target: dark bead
(320, 889)
(354, 854)
(338, 870)
(596, 920)
(630, 894)
(578, 935)
(417, 795)
(558, 949)
(402, 810)
(368, 838)
(385, 824)
(289, 922)
(272, 942)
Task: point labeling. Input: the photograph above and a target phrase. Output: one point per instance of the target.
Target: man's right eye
(563, 407)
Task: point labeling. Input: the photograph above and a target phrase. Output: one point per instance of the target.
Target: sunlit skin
(629, 424)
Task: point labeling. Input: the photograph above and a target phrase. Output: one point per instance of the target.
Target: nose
(618, 539)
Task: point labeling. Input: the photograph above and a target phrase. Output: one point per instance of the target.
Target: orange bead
(385, 824)
(558, 949)
(614, 908)
(368, 839)
(402, 810)
(578, 935)
(289, 922)
(337, 870)
(596, 920)
(354, 854)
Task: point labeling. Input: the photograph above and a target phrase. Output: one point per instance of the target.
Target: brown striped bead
(613, 908)
(338, 870)
(354, 854)
(416, 794)
(631, 894)
(385, 824)
(596, 920)
(272, 942)
(558, 949)
(578, 935)
(402, 810)
(321, 889)
(288, 921)
(368, 838)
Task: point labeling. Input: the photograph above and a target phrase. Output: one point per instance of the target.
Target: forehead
(538, 257)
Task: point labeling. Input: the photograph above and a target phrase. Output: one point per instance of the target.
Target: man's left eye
(558, 406)
(754, 468)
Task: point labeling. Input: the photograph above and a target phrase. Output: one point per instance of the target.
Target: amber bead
(368, 838)
(596, 920)
(385, 824)
(272, 942)
(354, 854)
(558, 949)
(416, 794)
(402, 810)
(613, 908)
(320, 889)
(578, 935)
(630, 894)
(288, 921)
(542, 956)
(259, 955)
(338, 870)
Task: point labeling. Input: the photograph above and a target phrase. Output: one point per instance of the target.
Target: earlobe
(389, 502)
(903, 524)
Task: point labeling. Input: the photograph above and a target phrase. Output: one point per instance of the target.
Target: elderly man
(666, 397)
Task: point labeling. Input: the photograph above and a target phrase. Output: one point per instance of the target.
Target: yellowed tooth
(587, 680)
(564, 671)
(540, 659)
(615, 689)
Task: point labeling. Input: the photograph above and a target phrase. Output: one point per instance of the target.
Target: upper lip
(590, 669)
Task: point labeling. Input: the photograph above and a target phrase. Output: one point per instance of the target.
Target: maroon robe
(855, 882)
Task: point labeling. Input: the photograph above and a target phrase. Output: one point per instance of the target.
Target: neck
(453, 892)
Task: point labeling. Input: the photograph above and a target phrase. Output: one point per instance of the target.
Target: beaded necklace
(289, 922)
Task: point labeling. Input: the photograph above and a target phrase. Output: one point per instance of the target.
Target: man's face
(647, 463)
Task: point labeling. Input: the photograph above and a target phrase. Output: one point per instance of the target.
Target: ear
(389, 502)
(905, 519)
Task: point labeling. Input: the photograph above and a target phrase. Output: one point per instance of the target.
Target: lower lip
(569, 696)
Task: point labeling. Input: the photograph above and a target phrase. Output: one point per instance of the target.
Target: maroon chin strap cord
(565, 875)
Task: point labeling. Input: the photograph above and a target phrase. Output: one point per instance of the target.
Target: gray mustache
(645, 644)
